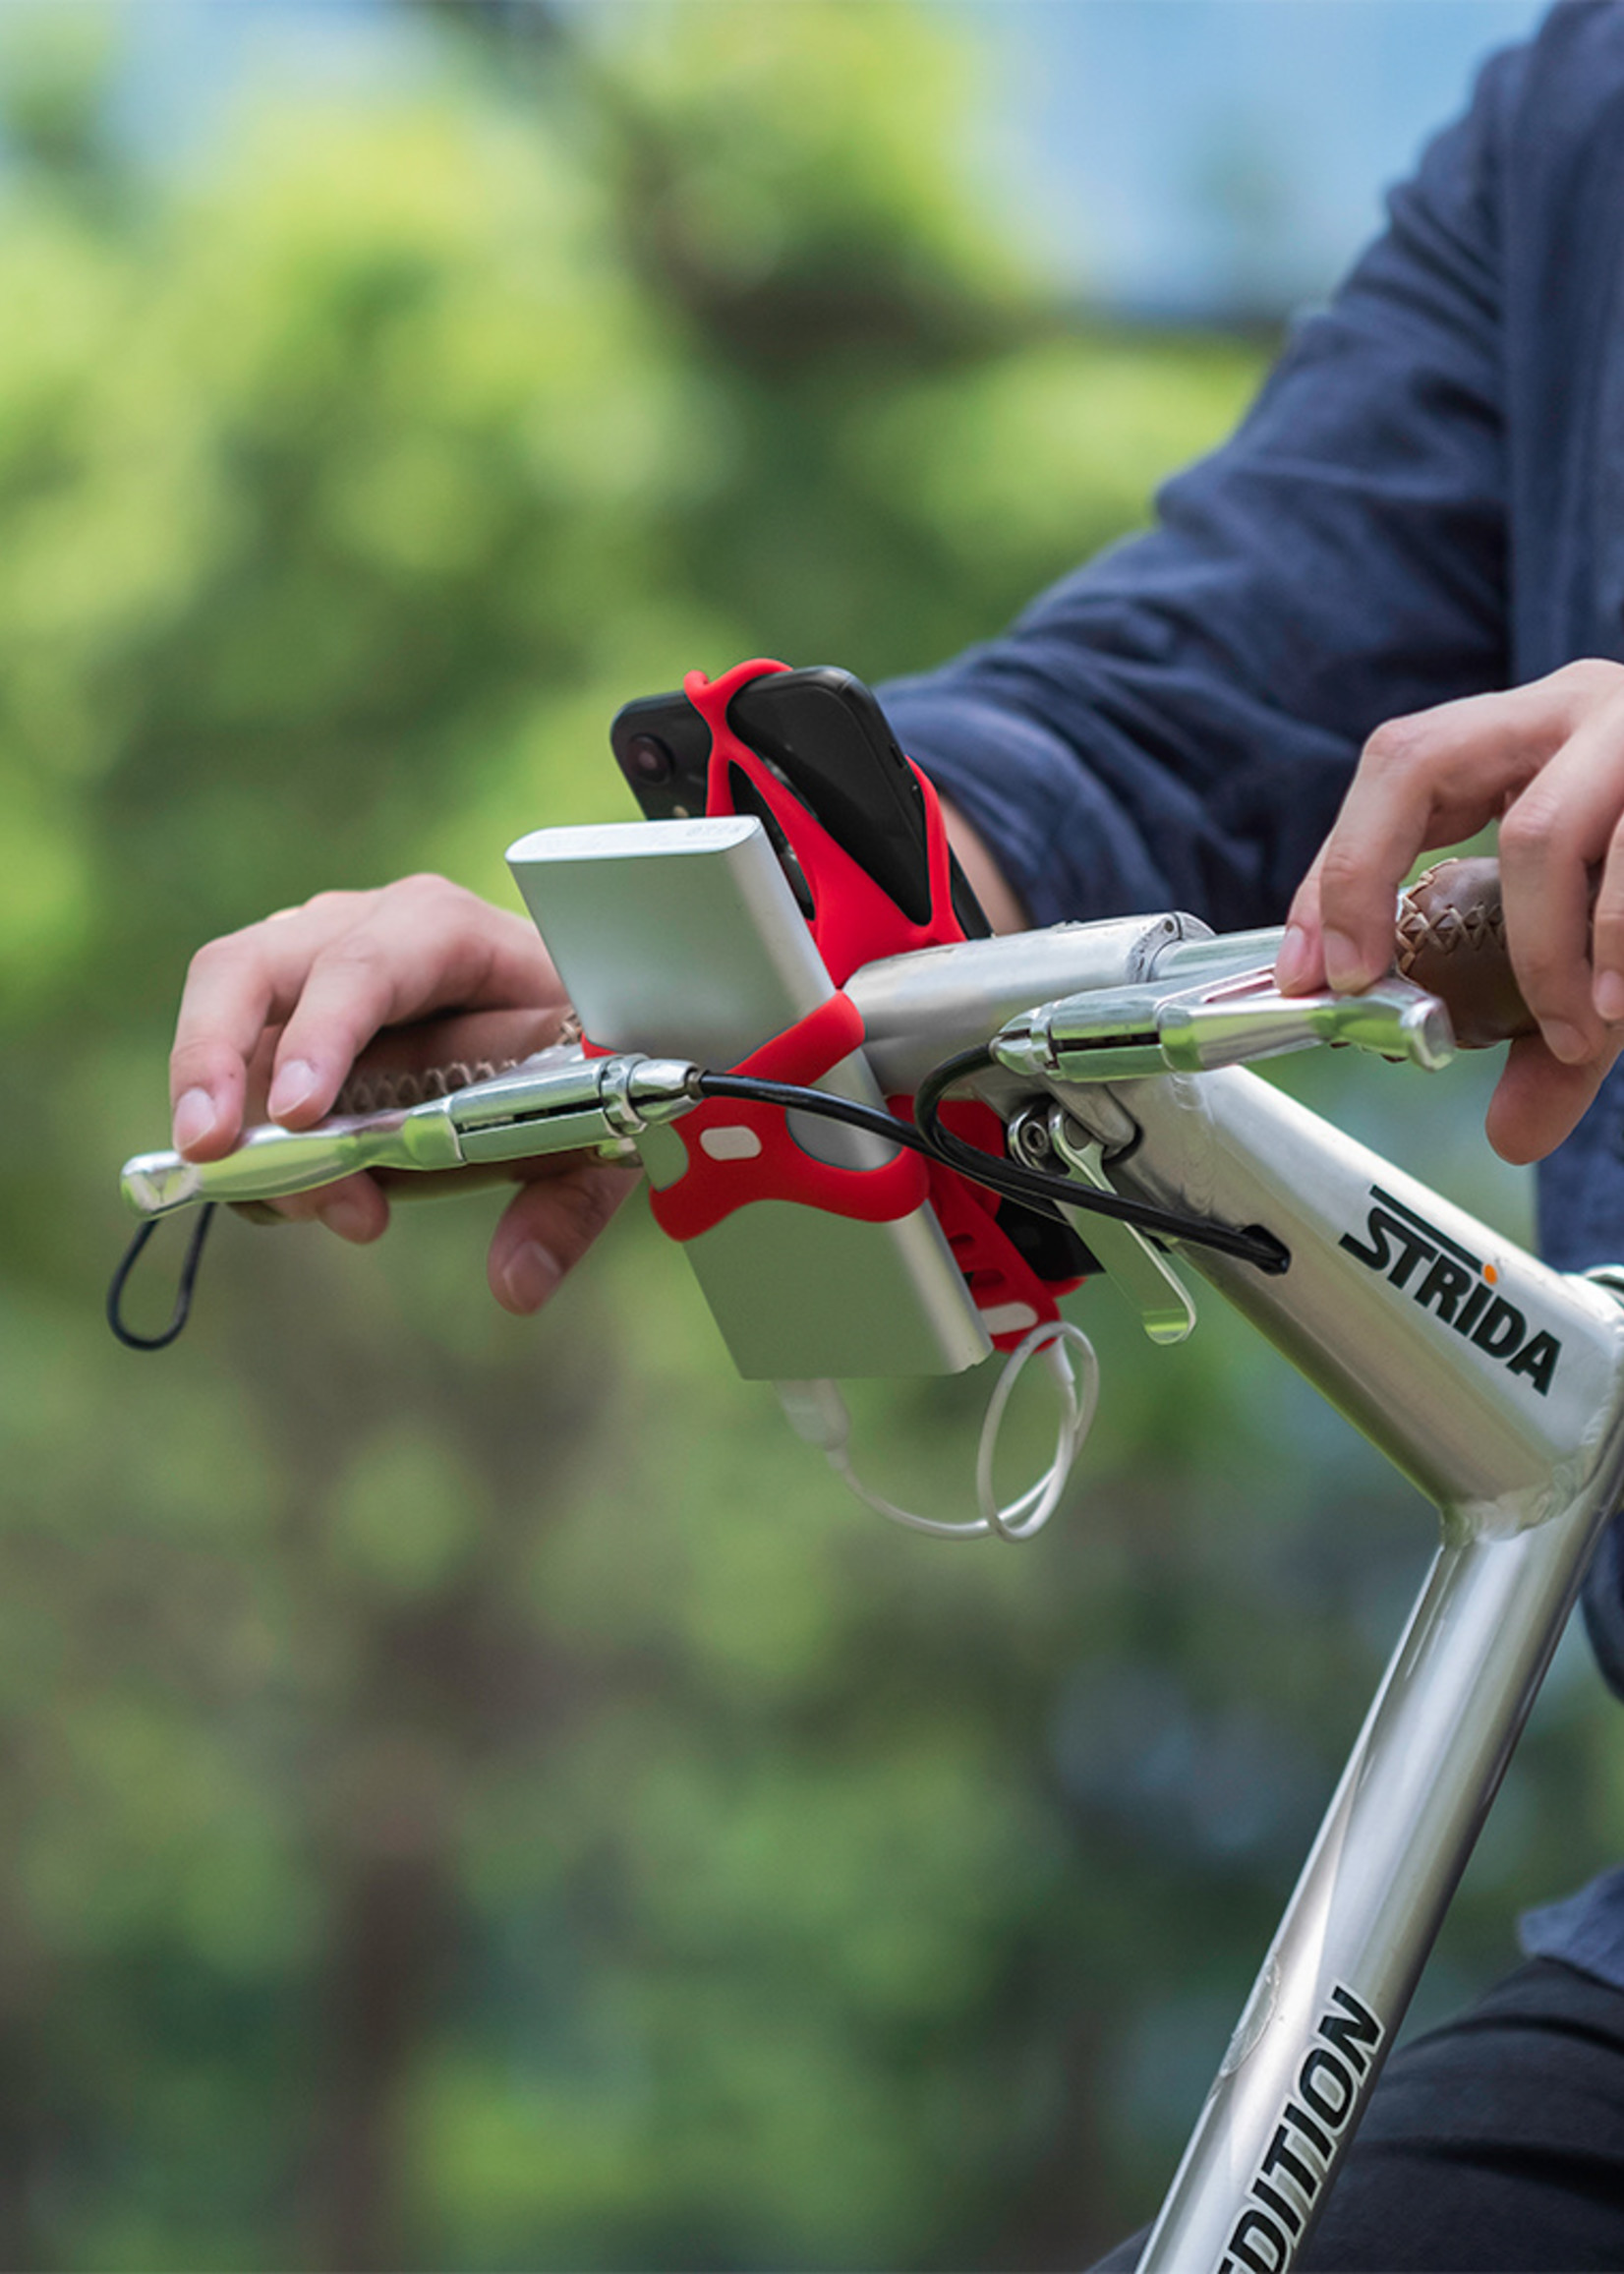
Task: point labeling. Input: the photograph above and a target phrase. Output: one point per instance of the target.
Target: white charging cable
(817, 1413)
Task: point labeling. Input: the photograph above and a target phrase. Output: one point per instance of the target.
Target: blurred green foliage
(475, 1792)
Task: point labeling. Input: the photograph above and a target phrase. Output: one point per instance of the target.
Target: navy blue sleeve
(1175, 725)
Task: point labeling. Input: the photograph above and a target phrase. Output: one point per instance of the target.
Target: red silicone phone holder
(742, 1151)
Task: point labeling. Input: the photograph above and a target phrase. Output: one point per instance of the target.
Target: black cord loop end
(184, 1290)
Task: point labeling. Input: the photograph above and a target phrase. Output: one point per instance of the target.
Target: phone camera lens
(649, 759)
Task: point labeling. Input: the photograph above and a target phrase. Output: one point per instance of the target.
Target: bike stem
(1497, 1386)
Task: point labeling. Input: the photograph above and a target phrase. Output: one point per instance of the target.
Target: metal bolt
(1029, 1138)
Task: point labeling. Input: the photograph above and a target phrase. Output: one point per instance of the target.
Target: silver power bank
(682, 939)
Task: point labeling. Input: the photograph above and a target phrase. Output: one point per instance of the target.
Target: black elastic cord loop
(183, 1291)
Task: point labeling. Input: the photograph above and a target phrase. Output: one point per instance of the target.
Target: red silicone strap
(854, 921)
(724, 1173)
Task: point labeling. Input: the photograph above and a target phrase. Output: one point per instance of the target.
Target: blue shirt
(1426, 501)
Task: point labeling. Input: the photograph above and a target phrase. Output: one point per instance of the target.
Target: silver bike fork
(1497, 1386)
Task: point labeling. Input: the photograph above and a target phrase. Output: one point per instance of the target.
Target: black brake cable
(1251, 1244)
(183, 1292)
(794, 1100)
(1013, 1179)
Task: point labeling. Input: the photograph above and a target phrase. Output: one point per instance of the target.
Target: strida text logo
(1458, 1287)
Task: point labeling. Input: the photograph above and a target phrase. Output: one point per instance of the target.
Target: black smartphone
(823, 733)
(663, 747)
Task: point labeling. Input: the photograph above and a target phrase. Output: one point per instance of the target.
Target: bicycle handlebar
(1166, 997)
(558, 1102)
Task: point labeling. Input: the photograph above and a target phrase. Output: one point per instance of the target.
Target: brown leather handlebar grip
(1452, 941)
(405, 1065)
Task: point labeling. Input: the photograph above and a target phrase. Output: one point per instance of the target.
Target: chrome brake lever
(1124, 1033)
(558, 1102)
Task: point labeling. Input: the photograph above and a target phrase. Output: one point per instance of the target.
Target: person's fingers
(1340, 926)
(329, 974)
(356, 1209)
(1300, 964)
(1538, 1101)
(1591, 774)
(236, 987)
(550, 1226)
(1608, 935)
(1551, 836)
(1423, 781)
(396, 1066)
(426, 946)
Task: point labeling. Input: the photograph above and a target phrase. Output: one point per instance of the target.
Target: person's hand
(1546, 761)
(274, 1017)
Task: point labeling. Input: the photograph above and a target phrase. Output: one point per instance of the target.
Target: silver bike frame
(1503, 1399)
(1495, 1384)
